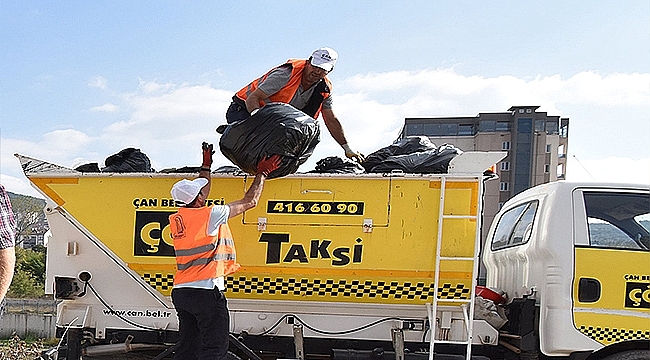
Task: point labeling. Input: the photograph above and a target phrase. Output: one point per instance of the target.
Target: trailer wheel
(629, 355)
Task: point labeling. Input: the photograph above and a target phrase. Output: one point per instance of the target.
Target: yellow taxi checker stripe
(161, 282)
(328, 287)
(344, 288)
(456, 275)
(607, 335)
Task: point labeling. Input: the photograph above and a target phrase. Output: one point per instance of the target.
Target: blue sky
(79, 81)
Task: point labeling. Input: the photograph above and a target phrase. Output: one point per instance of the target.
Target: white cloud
(598, 106)
(585, 88)
(59, 147)
(611, 169)
(65, 141)
(99, 82)
(19, 186)
(150, 87)
(169, 121)
(611, 90)
(107, 108)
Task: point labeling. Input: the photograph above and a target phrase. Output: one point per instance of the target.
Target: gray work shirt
(278, 78)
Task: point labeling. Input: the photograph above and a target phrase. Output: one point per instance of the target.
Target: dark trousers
(236, 112)
(203, 322)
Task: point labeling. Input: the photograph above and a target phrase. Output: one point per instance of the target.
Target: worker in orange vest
(205, 253)
(300, 83)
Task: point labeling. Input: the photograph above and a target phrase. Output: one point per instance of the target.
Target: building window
(505, 145)
(548, 148)
(551, 127)
(505, 165)
(503, 186)
(414, 129)
(560, 152)
(547, 168)
(449, 129)
(432, 130)
(528, 111)
(503, 126)
(540, 125)
(465, 129)
(521, 111)
(564, 131)
(487, 125)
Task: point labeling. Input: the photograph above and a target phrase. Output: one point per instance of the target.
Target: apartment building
(536, 144)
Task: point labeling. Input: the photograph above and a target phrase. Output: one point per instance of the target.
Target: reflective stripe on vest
(286, 94)
(200, 256)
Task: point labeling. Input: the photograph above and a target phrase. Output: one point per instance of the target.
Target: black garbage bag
(228, 170)
(276, 128)
(336, 165)
(426, 162)
(128, 160)
(406, 146)
(89, 167)
(195, 169)
(181, 170)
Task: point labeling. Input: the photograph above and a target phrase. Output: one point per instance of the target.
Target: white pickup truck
(576, 257)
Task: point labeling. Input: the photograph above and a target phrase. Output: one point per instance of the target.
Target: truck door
(611, 285)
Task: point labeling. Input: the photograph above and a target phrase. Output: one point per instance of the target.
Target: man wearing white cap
(300, 83)
(205, 253)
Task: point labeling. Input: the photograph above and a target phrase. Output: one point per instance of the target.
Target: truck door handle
(307, 191)
(588, 290)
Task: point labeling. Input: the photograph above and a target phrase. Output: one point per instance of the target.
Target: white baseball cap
(324, 58)
(186, 191)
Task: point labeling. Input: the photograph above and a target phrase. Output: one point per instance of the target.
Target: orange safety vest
(315, 103)
(200, 256)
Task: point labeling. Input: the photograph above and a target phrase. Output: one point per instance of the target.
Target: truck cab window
(514, 226)
(618, 221)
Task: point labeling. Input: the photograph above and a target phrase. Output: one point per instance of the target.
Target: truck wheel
(629, 355)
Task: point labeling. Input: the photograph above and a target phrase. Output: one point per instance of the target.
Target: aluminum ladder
(465, 305)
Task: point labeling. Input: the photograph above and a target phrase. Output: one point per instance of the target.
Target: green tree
(28, 212)
(29, 276)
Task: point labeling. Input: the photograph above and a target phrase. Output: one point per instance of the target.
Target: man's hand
(268, 165)
(351, 154)
(207, 155)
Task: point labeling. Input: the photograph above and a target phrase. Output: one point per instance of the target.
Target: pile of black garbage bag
(276, 128)
(336, 165)
(127, 160)
(281, 129)
(413, 154)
